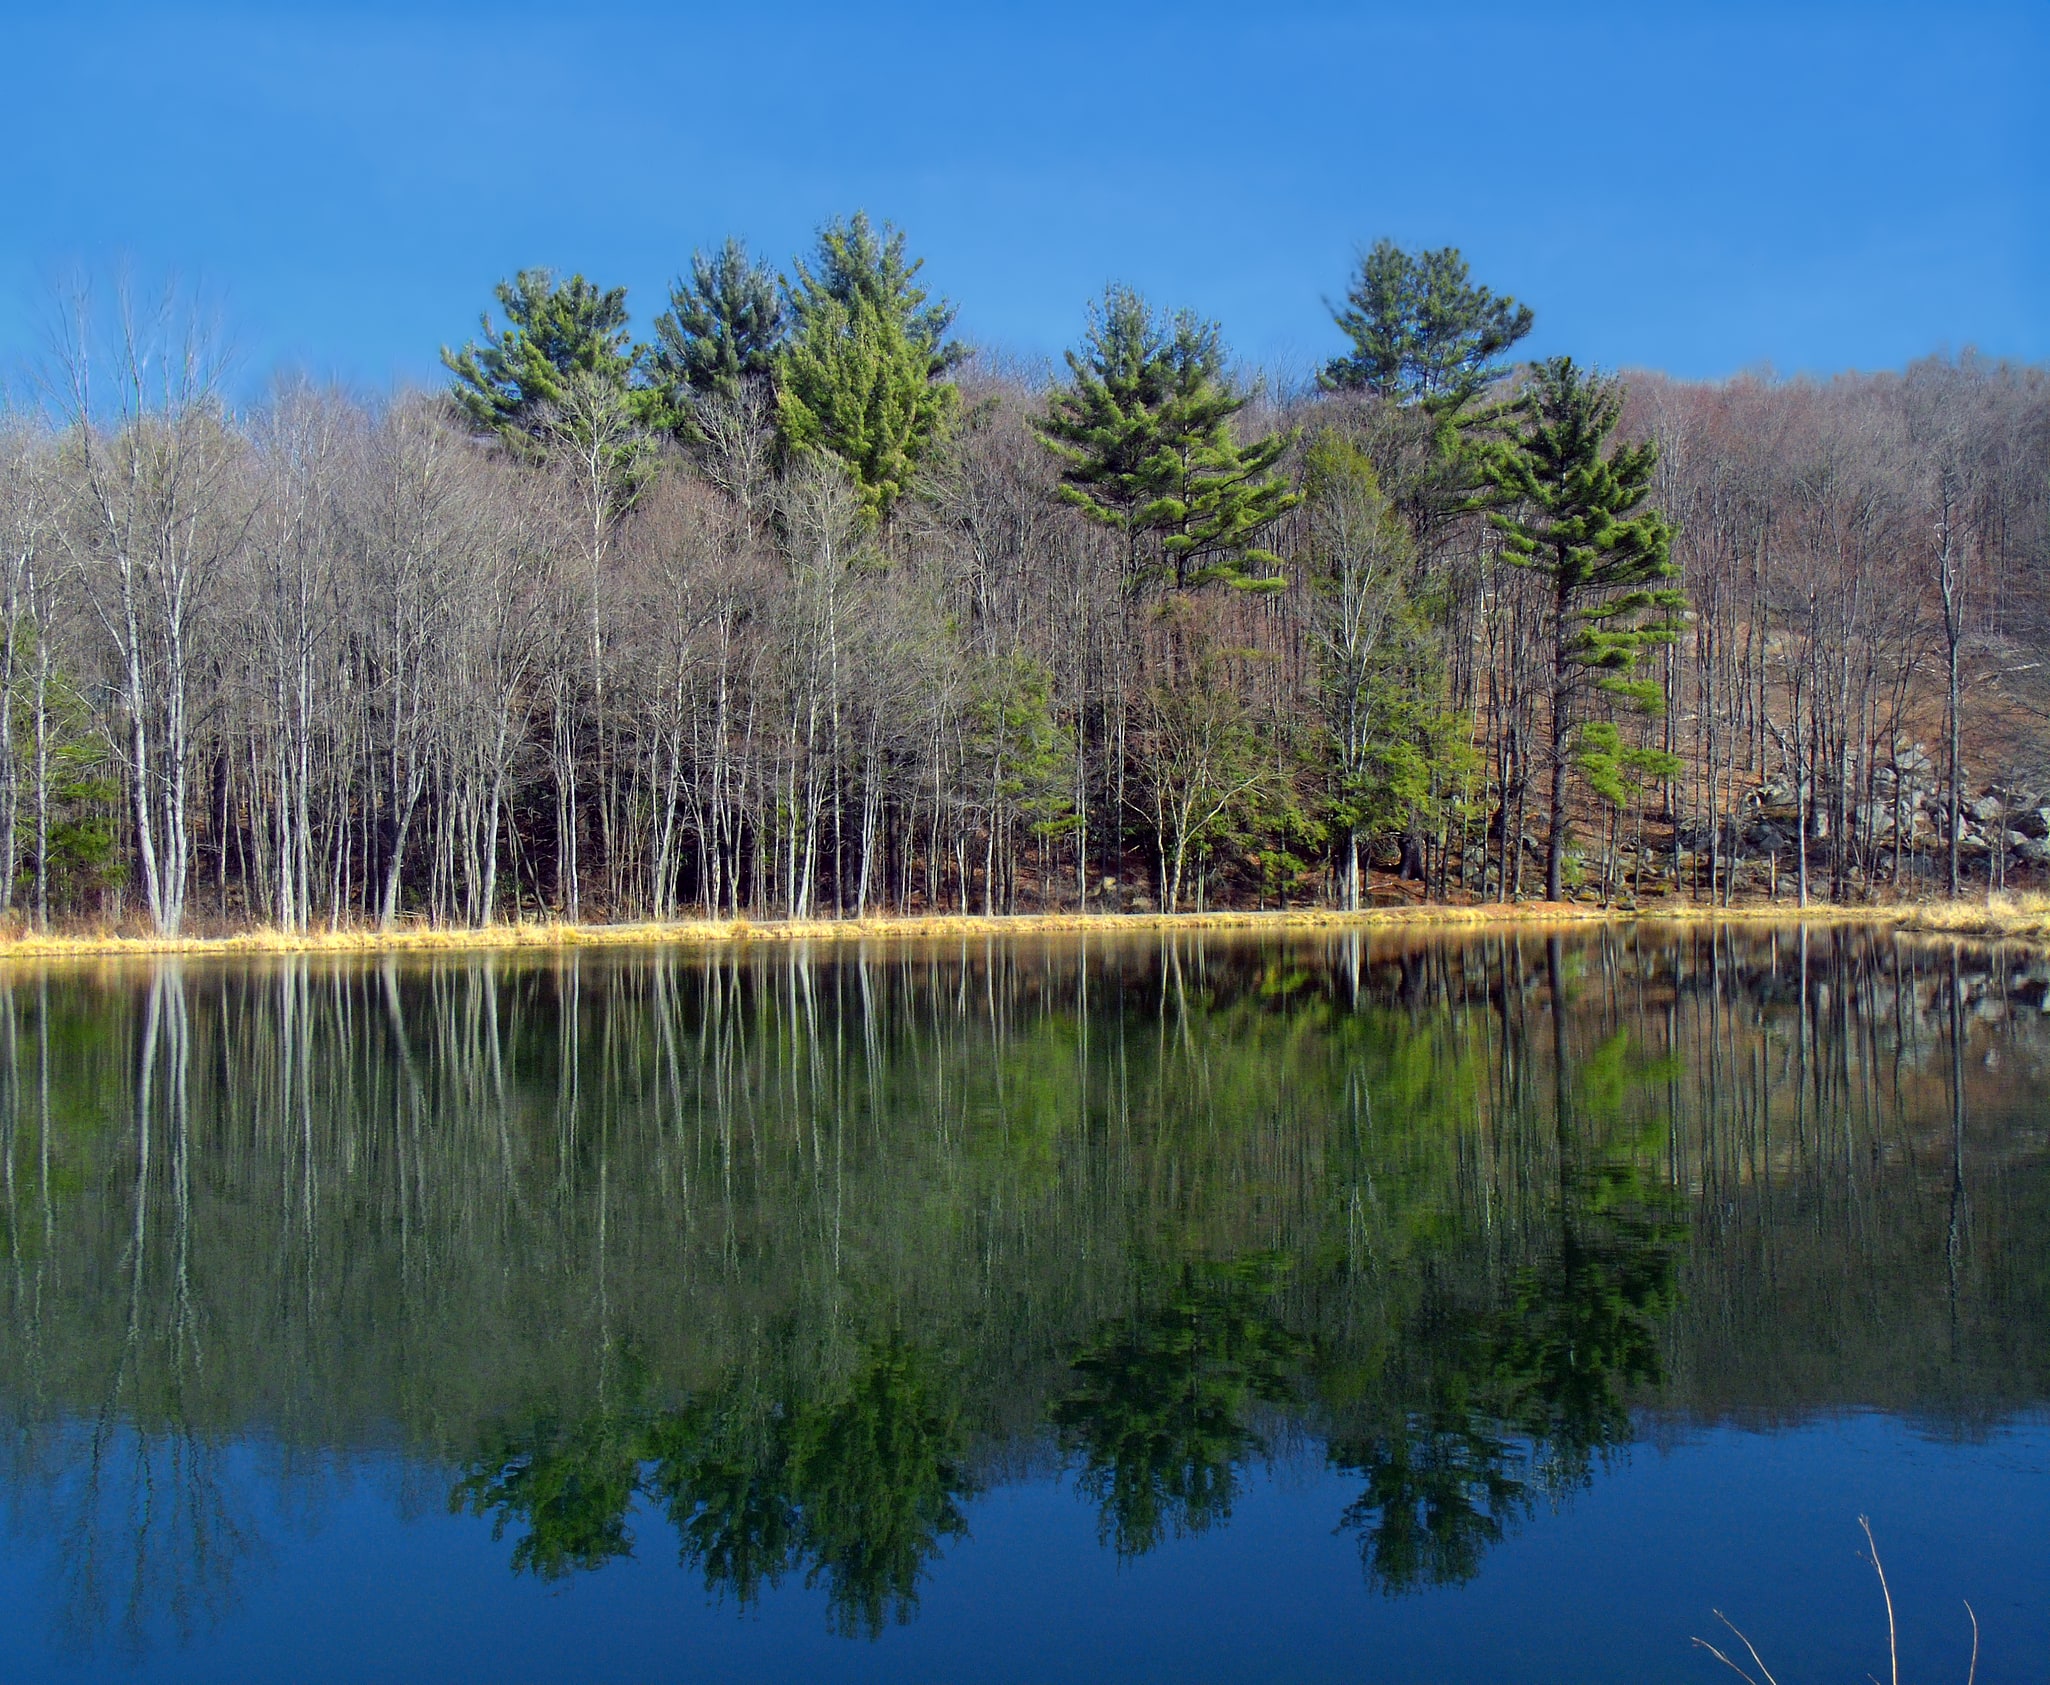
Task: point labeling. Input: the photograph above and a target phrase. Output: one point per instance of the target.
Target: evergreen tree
(1145, 438)
(519, 377)
(863, 373)
(1422, 332)
(1572, 510)
(722, 330)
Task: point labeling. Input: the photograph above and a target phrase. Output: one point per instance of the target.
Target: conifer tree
(863, 373)
(1144, 435)
(515, 381)
(1422, 332)
(1571, 509)
(722, 330)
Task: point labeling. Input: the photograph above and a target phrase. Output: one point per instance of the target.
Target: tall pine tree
(863, 373)
(1572, 509)
(516, 381)
(1147, 448)
(722, 331)
(1421, 331)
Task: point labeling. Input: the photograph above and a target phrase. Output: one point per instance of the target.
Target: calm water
(1220, 1309)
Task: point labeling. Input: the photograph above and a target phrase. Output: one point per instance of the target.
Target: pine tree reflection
(1530, 1391)
(1173, 1208)
(859, 1491)
(1160, 1417)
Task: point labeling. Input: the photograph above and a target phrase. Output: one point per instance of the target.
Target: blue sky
(1692, 187)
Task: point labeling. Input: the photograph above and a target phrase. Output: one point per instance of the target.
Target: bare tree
(161, 504)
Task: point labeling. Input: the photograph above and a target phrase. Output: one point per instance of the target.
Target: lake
(1222, 1307)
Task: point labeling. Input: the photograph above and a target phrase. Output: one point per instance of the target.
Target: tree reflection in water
(860, 1492)
(1456, 1213)
(1525, 1398)
(1160, 1412)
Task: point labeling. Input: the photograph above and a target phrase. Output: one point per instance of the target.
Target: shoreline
(2009, 918)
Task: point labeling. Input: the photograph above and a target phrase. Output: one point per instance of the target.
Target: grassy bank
(2008, 917)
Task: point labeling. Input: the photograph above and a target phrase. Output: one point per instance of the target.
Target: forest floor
(2017, 917)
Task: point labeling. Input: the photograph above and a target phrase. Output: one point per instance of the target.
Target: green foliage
(1144, 435)
(85, 855)
(1018, 755)
(1294, 834)
(570, 1484)
(1618, 772)
(1203, 768)
(1582, 1328)
(859, 1487)
(520, 376)
(1399, 757)
(863, 373)
(1421, 331)
(1416, 768)
(1522, 1394)
(1159, 1411)
(877, 1476)
(722, 1471)
(1441, 1488)
(1347, 511)
(722, 331)
(1573, 510)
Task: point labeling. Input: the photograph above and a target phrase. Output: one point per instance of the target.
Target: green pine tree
(863, 373)
(722, 331)
(1572, 509)
(1421, 331)
(514, 383)
(1147, 448)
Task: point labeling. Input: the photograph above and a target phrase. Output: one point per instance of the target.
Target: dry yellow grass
(2023, 917)
(552, 935)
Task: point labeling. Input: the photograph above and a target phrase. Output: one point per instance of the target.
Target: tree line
(804, 607)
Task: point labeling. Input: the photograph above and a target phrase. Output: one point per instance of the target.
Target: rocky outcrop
(1910, 803)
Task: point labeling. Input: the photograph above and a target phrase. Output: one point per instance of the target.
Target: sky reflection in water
(1256, 1309)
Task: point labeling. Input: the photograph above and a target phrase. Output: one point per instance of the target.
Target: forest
(804, 607)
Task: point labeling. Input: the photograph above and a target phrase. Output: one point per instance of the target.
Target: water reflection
(785, 1255)
(858, 1490)
(1161, 1411)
